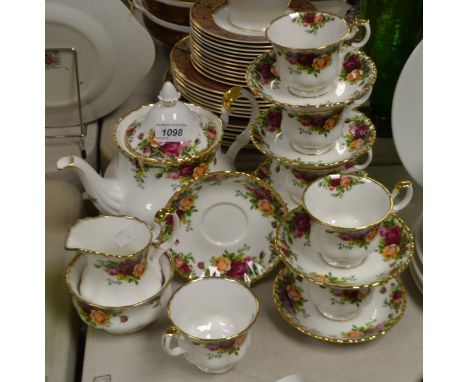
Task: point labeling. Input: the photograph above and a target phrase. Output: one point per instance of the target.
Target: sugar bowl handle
(166, 342)
(402, 185)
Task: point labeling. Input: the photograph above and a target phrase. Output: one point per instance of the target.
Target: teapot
(161, 147)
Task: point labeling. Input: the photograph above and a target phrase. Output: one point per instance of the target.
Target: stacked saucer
(315, 84)
(416, 266)
(341, 282)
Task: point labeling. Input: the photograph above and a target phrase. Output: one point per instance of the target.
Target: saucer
(271, 141)
(264, 81)
(298, 250)
(228, 224)
(376, 319)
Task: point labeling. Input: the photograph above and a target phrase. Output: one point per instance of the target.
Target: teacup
(349, 210)
(339, 304)
(309, 49)
(116, 249)
(254, 15)
(121, 319)
(211, 318)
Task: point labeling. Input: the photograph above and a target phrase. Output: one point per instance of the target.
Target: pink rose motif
(359, 131)
(309, 18)
(126, 267)
(335, 182)
(393, 236)
(302, 224)
(238, 269)
(292, 60)
(123, 319)
(265, 73)
(274, 121)
(186, 268)
(174, 176)
(306, 59)
(112, 271)
(171, 149)
(186, 171)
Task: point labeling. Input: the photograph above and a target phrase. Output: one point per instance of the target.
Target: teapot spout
(106, 194)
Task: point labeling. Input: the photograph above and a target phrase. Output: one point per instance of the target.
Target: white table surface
(277, 348)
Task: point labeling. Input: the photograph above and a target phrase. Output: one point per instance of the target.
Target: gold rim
(395, 272)
(212, 340)
(208, 65)
(129, 256)
(202, 156)
(310, 166)
(285, 314)
(323, 47)
(223, 78)
(102, 307)
(349, 229)
(230, 174)
(242, 62)
(359, 94)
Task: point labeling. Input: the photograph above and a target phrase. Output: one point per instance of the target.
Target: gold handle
(172, 330)
(161, 215)
(403, 184)
(230, 96)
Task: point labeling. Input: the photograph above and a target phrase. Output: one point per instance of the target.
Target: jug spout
(106, 194)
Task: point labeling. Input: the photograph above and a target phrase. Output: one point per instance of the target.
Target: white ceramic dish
(228, 222)
(296, 245)
(407, 115)
(358, 138)
(114, 53)
(221, 19)
(383, 312)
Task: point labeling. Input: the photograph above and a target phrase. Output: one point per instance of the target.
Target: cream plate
(356, 79)
(407, 115)
(114, 53)
(228, 224)
(298, 250)
(267, 137)
(384, 311)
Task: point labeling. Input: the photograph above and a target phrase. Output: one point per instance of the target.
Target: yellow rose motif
(138, 269)
(354, 334)
(320, 278)
(331, 122)
(98, 317)
(355, 144)
(318, 19)
(293, 292)
(391, 251)
(154, 142)
(199, 170)
(321, 62)
(265, 206)
(274, 70)
(239, 342)
(355, 75)
(372, 234)
(179, 261)
(186, 203)
(345, 181)
(223, 264)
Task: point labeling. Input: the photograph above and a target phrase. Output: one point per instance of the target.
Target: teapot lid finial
(169, 94)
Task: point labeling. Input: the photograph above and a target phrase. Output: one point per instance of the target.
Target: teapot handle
(161, 220)
(243, 138)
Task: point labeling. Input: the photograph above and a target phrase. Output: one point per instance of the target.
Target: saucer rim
(286, 316)
(384, 280)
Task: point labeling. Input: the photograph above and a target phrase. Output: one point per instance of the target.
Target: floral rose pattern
(394, 242)
(360, 239)
(339, 184)
(313, 21)
(354, 68)
(307, 63)
(349, 296)
(321, 123)
(297, 226)
(222, 348)
(329, 278)
(291, 294)
(358, 132)
(186, 207)
(129, 270)
(99, 317)
(395, 297)
(265, 71)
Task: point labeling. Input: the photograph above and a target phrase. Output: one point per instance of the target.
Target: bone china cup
(254, 15)
(339, 304)
(211, 318)
(308, 47)
(348, 211)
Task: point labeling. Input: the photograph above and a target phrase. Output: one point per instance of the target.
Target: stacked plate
(207, 93)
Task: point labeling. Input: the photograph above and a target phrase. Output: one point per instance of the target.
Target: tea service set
(167, 197)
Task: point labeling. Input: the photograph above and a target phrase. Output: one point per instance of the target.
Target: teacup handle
(166, 341)
(354, 28)
(160, 219)
(243, 138)
(360, 167)
(403, 184)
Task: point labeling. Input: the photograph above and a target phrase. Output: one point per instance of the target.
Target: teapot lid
(169, 131)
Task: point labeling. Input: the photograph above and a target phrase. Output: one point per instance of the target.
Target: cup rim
(120, 257)
(103, 307)
(213, 340)
(323, 47)
(349, 229)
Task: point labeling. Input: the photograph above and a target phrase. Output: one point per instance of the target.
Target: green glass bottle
(397, 27)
